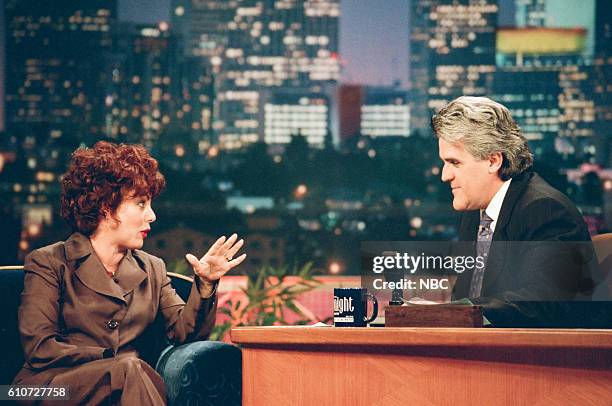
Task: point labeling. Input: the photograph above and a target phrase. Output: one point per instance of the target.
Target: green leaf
(291, 306)
(269, 319)
(262, 306)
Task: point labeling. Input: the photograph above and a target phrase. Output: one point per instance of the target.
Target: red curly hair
(99, 178)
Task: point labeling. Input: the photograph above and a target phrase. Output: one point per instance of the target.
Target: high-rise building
(254, 47)
(158, 96)
(531, 95)
(197, 95)
(529, 62)
(541, 47)
(452, 52)
(385, 112)
(350, 98)
(288, 113)
(530, 13)
(202, 25)
(551, 79)
(602, 74)
(373, 111)
(141, 100)
(55, 75)
(2, 76)
(558, 14)
(462, 47)
(603, 27)
(420, 68)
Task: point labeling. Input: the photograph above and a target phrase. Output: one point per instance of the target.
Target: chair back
(181, 284)
(11, 285)
(602, 244)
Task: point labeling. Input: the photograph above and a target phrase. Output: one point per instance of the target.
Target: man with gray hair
(541, 266)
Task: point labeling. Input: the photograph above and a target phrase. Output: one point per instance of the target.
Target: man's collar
(494, 207)
(515, 191)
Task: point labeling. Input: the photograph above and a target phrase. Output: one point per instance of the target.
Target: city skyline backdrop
(374, 37)
(380, 25)
(279, 118)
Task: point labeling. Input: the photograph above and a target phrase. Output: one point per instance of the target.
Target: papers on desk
(421, 301)
(320, 324)
(418, 301)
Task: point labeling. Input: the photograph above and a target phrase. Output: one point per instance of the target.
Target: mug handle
(374, 308)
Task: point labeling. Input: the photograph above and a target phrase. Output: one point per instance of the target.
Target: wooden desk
(424, 366)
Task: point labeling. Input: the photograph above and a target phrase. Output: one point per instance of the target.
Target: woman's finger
(233, 250)
(228, 244)
(237, 261)
(193, 261)
(216, 246)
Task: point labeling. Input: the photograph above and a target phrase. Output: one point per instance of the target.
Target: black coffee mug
(350, 307)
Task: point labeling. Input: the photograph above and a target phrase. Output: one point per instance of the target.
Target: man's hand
(218, 260)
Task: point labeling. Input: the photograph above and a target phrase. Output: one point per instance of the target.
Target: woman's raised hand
(218, 260)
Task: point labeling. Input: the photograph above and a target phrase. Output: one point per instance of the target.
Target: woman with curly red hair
(87, 300)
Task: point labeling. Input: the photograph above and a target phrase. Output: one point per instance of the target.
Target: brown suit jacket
(71, 311)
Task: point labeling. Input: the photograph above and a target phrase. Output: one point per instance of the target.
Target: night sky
(374, 41)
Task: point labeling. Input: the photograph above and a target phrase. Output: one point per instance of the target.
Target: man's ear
(495, 162)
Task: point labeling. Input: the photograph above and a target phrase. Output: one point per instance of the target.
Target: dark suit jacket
(541, 262)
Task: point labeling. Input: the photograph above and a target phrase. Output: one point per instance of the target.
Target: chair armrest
(203, 372)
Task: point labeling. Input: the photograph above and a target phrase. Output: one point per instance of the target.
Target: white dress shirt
(495, 205)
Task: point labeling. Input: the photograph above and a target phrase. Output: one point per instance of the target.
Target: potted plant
(270, 296)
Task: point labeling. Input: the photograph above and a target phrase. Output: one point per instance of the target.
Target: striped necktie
(483, 243)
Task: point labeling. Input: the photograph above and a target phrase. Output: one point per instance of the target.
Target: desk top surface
(419, 336)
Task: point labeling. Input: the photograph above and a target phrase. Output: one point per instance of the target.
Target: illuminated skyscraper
(257, 46)
(530, 13)
(558, 14)
(157, 94)
(553, 83)
(143, 97)
(2, 76)
(350, 98)
(462, 47)
(452, 52)
(602, 73)
(202, 24)
(531, 95)
(385, 112)
(290, 113)
(603, 27)
(420, 67)
(373, 111)
(56, 70)
(527, 81)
